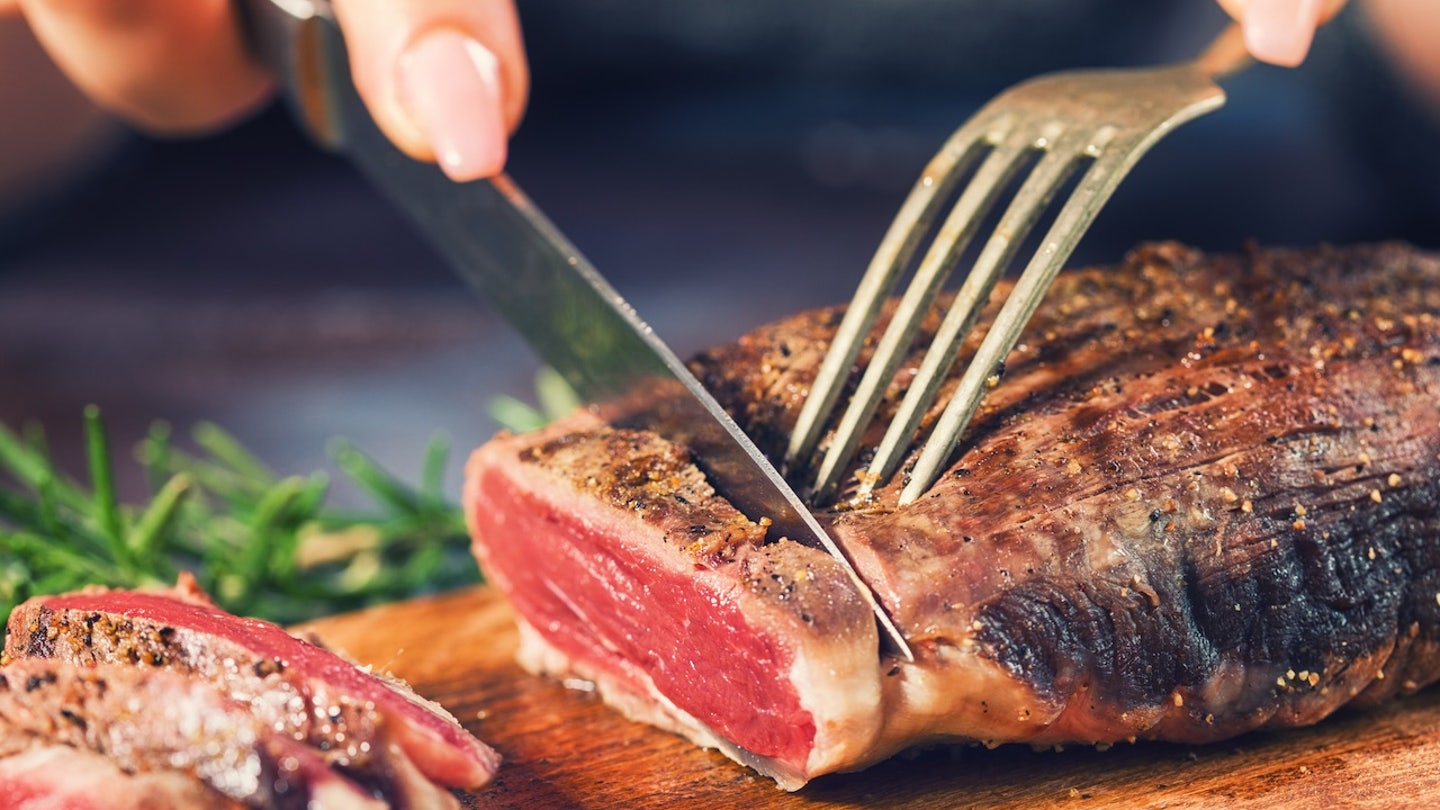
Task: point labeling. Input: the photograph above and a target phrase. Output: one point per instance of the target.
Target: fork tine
(1073, 220)
(954, 235)
(1058, 165)
(921, 206)
(1111, 116)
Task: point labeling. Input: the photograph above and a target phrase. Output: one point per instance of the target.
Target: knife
(501, 244)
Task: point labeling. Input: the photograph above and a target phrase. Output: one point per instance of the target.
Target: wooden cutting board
(563, 748)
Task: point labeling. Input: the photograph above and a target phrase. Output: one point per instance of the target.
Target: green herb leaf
(262, 544)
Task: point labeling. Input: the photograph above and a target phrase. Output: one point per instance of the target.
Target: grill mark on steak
(628, 470)
(1205, 499)
(1234, 381)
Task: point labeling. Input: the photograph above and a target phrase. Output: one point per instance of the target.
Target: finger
(1409, 30)
(445, 80)
(1280, 31)
(168, 66)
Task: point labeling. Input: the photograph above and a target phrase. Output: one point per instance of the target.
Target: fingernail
(1280, 31)
(450, 87)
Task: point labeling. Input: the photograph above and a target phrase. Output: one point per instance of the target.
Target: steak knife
(502, 245)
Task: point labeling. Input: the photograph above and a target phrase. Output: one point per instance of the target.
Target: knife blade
(504, 247)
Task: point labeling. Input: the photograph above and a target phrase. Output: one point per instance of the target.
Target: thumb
(1280, 31)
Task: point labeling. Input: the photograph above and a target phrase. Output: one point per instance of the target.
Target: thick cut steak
(1204, 498)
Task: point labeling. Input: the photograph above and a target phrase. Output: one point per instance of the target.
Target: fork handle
(1226, 55)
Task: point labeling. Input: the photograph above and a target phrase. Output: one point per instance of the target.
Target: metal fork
(1104, 118)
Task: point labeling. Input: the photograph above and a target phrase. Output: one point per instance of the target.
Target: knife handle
(300, 42)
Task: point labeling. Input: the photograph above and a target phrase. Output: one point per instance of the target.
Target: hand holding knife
(500, 243)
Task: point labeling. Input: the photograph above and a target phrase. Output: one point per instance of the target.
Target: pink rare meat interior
(640, 619)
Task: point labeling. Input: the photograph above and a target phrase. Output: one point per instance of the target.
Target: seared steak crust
(636, 471)
(1204, 497)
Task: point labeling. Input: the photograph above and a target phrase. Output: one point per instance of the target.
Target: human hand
(446, 80)
(1280, 31)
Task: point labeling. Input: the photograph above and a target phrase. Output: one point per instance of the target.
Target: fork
(1101, 121)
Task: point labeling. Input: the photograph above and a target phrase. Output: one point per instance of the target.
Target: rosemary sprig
(556, 398)
(262, 544)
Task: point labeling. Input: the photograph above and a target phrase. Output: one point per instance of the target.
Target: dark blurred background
(723, 163)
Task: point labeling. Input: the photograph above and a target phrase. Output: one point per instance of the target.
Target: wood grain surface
(563, 748)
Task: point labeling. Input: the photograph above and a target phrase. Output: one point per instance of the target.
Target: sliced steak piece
(258, 662)
(58, 777)
(611, 546)
(1204, 499)
(158, 721)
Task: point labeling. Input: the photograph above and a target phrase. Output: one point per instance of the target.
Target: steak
(1204, 498)
(346, 726)
(58, 777)
(156, 720)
